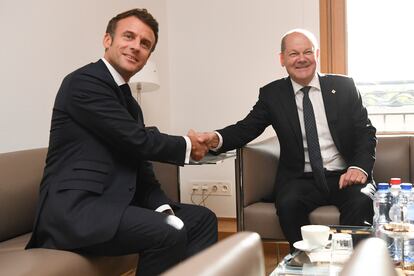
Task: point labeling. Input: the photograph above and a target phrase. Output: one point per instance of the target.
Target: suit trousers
(298, 198)
(161, 240)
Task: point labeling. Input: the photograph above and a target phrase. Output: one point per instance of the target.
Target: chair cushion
(261, 217)
(325, 215)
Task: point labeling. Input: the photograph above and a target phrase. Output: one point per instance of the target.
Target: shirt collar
(313, 83)
(117, 77)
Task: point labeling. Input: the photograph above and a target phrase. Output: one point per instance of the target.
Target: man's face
(130, 47)
(300, 58)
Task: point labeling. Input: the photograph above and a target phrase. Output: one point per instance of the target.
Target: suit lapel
(291, 110)
(331, 105)
(105, 75)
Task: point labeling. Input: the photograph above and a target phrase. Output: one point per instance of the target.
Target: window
(377, 54)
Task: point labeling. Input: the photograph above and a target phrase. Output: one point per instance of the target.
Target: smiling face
(300, 57)
(130, 46)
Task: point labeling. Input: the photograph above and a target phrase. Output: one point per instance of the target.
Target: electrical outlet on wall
(211, 187)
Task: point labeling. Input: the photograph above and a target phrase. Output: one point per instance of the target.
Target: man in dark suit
(327, 142)
(99, 194)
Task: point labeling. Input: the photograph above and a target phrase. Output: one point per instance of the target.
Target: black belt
(327, 173)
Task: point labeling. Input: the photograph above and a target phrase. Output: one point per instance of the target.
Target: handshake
(201, 143)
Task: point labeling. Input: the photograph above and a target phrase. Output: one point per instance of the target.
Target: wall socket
(216, 188)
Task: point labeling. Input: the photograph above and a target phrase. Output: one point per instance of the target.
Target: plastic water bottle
(395, 210)
(407, 205)
(405, 201)
(410, 207)
(382, 204)
(395, 247)
(381, 207)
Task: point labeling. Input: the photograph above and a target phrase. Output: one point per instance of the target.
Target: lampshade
(147, 79)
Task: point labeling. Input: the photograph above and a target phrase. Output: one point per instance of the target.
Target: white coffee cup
(315, 235)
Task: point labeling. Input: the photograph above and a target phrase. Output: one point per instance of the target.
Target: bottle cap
(383, 186)
(395, 181)
(406, 186)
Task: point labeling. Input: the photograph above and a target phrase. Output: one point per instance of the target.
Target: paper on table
(320, 256)
(325, 256)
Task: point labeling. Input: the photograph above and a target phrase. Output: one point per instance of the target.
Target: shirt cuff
(220, 143)
(358, 168)
(165, 208)
(187, 150)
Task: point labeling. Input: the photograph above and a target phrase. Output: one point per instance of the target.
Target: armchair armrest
(169, 178)
(256, 168)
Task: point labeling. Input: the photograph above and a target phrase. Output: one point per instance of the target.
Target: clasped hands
(201, 143)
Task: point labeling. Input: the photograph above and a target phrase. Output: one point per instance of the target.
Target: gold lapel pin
(333, 91)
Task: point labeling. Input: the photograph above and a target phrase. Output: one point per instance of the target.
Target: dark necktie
(129, 100)
(314, 149)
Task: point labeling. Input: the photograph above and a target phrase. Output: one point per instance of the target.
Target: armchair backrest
(20, 175)
(394, 158)
(256, 158)
(169, 178)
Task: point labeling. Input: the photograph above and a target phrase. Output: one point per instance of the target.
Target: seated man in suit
(99, 195)
(327, 142)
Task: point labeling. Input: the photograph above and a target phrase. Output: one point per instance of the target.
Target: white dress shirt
(331, 158)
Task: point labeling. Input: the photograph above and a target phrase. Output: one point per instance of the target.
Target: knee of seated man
(203, 216)
(174, 232)
(289, 204)
(361, 202)
(207, 216)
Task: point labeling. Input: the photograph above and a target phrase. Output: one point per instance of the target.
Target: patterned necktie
(314, 149)
(130, 102)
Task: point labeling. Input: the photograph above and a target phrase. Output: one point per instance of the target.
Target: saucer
(303, 246)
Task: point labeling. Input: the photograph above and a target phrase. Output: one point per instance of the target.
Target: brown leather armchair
(20, 175)
(256, 168)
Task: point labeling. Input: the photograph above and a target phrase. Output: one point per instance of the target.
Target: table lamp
(145, 80)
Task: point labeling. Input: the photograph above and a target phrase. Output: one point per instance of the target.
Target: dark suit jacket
(351, 130)
(97, 162)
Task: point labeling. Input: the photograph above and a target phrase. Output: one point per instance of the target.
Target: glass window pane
(379, 59)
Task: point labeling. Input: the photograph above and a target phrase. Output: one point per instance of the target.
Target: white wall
(44, 40)
(220, 53)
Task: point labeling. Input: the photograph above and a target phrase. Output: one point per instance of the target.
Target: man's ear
(317, 54)
(107, 40)
(282, 59)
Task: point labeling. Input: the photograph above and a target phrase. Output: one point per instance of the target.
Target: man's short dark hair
(141, 14)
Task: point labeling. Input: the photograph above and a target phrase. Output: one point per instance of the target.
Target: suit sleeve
(365, 140)
(93, 104)
(244, 131)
